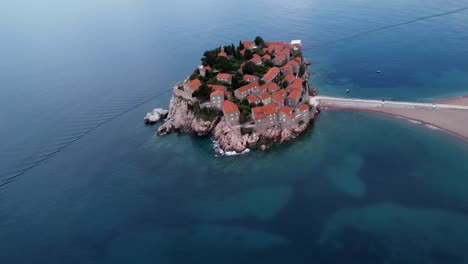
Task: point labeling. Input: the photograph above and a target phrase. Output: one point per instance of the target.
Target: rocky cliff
(230, 139)
(182, 119)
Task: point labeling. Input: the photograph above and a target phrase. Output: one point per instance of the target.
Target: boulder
(155, 115)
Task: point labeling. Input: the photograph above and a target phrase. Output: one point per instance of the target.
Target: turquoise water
(84, 181)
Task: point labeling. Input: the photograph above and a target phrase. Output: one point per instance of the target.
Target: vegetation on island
(204, 113)
(237, 62)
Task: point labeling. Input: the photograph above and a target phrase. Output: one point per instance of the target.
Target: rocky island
(245, 96)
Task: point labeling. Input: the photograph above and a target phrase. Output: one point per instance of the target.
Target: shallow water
(84, 181)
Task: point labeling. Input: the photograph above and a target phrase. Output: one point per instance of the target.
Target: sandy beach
(452, 121)
(463, 100)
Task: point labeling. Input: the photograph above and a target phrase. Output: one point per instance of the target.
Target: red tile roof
(256, 58)
(303, 108)
(278, 98)
(287, 69)
(262, 88)
(261, 112)
(247, 44)
(206, 68)
(294, 94)
(298, 59)
(216, 87)
(279, 58)
(194, 84)
(229, 107)
(293, 63)
(269, 43)
(281, 92)
(266, 57)
(258, 109)
(269, 50)
(270, 109)
(289, 78)
(223, 76)
(272, 87)
(252, 98)
(242, 52)
(247, 87)
(297, 84)
(268, 86)
(217, 92)
(288, 45)
(271, 73)
(249, 77)
(222, 54)
(287, 111)
(264, 96)
(259, 116)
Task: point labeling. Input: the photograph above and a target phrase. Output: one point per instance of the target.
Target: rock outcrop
(182, 119)
(155, 115)
(230, 139)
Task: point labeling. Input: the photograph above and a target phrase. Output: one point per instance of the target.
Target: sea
(83, 180)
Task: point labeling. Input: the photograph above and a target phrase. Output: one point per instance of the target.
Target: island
(246, 97)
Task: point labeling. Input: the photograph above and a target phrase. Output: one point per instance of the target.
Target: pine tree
(241, 46)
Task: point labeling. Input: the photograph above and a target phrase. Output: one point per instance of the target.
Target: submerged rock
(155, 115)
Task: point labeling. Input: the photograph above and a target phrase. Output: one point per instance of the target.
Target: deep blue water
(84, 181)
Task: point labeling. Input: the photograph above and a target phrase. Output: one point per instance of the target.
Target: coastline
(245, 97)
(460, 100)
(435, 121)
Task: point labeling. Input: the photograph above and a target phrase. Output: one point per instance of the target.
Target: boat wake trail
(82, 125)
(357, 35)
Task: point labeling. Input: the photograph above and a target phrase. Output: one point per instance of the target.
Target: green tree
(223, 64)
(203, 93)
(260, 70)
(209, 57)
(259, 42)
(241, 46)
(248, 54)
(302, 70)
(268, 64)
(208, 75)
(248, 68)
(245, 102)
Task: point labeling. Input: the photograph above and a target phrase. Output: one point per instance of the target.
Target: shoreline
(451, 99)
(422, 122)
(244, 95)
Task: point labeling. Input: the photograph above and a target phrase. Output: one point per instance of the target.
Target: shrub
(204, 113)
(249, 68)
(302, 70)
(203, 93)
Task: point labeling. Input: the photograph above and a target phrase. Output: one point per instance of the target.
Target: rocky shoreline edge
(181, 119)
